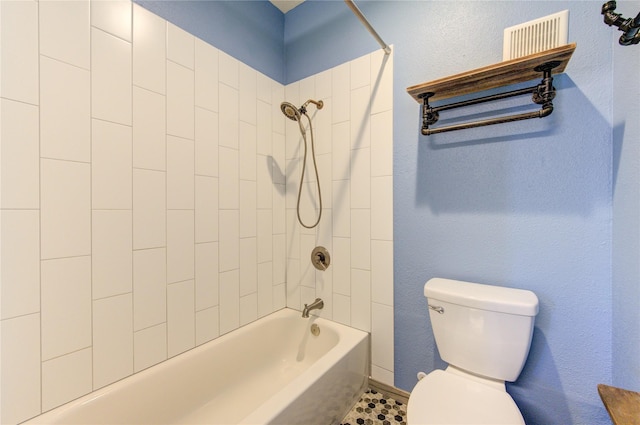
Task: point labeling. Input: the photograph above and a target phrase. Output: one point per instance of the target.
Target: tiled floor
(374, 408)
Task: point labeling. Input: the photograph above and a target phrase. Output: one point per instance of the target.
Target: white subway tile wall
(354, 147)
(143, 213)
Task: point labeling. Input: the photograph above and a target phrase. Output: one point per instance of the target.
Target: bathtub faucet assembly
(318, 304)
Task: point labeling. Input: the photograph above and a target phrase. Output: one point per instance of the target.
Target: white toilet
(484, 333)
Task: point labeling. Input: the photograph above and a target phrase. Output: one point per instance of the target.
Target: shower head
(290, 111)
(293, 113)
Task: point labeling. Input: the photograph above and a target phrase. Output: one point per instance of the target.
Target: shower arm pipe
(319, 104)
(356, 11)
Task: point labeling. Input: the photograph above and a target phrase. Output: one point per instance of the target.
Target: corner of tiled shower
(149, 208)
(353, 143)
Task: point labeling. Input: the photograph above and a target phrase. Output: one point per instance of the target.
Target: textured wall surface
(626, 211)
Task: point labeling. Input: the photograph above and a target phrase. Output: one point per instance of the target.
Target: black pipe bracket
(630, 27)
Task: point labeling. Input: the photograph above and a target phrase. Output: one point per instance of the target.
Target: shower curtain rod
(356, 11)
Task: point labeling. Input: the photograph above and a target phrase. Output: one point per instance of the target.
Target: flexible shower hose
(304, 164)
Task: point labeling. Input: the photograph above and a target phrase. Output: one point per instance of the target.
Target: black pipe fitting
(630, 27)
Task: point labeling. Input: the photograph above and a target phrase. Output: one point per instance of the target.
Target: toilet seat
(446, 398)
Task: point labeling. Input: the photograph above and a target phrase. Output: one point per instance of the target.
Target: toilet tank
(482, 329)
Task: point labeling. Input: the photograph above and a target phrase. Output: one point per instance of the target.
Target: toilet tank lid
(485, 297)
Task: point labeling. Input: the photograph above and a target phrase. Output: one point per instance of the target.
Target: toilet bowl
(443, 397)
(484, 333)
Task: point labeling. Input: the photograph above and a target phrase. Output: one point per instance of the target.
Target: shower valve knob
(320, 258)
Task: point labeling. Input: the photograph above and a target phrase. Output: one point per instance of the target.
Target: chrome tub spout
(316, 305)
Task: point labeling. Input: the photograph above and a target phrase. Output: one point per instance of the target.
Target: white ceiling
(286, 5)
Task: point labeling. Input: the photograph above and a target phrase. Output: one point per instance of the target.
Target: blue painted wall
(321, 34)
(550, 205)
(626, 211)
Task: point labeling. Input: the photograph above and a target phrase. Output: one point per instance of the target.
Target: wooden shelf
(502, 74)
(623, 405)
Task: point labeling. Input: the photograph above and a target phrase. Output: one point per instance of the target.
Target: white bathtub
(272, 371)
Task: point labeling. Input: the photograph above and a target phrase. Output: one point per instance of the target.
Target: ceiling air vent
(536, 36)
